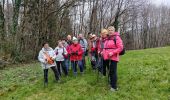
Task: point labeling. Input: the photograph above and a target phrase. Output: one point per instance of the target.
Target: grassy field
(142, 75)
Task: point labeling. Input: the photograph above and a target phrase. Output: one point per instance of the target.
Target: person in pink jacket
(103, 63)
(111, 55)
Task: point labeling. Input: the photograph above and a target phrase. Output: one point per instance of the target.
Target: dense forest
(26, 24)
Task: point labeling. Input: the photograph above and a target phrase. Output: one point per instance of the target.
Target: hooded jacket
(111, 47)
(75, 51)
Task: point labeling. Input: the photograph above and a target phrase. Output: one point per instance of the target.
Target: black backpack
(123, 50)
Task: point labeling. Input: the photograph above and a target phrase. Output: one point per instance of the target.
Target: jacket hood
(116, 33)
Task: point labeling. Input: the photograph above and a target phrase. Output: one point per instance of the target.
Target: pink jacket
(110, 47)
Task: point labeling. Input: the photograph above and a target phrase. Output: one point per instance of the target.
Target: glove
(76, 53)
(56, 53)
(72, 53)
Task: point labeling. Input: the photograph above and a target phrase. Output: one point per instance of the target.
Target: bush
(17, 57)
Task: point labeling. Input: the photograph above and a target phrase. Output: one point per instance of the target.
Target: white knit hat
(75, 39)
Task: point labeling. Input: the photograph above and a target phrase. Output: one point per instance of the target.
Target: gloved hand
(76, 53)
(72, 53)
(56, 53)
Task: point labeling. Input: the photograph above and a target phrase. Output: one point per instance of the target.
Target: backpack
(123, 50)
(65, 56)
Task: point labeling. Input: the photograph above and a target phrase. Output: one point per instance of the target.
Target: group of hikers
(103, 51)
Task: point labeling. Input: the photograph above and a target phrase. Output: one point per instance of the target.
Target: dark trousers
(55, 73)
(74, 66)
(61, 64)
(105, 66)
(93, 65)
(100, 64)
(112, 67)
(113, 74)
(84, 61)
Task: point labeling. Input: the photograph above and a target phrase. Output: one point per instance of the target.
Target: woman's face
(111, 31)
(60, 44)
(103, 35)
(75, 42)
(63, 41)
(46, 46)
(90, 36)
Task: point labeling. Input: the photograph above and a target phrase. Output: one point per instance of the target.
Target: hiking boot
(82, 73)
(113, 90)
(45, 84)
(75, 74)
(103, 77)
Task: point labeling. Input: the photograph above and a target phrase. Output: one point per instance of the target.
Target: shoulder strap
(46, 54)
(81, 40)
(101, 44)
(114, 39)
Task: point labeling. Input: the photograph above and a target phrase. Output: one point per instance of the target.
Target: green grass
(142, 75)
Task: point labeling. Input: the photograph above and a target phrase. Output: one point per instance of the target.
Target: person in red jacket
(76, 53)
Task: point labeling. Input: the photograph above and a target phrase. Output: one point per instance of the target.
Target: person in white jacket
(61, 54)
(47, 58)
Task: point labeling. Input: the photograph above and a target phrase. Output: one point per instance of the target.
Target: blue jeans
(100, 64)
(61, 64)
(84, 61)
(74, 66)
(67, 63)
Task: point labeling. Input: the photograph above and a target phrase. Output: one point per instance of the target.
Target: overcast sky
(159, 2)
